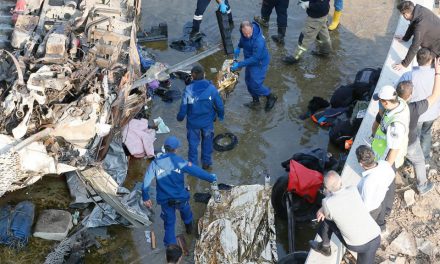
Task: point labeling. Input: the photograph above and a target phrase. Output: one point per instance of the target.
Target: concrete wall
(351, 171)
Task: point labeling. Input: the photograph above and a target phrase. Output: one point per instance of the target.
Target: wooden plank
(104, 185)
(351, 171)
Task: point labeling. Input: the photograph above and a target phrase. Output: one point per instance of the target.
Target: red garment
(303, 181)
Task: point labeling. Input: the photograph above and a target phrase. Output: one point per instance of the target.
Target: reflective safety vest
(379, 144)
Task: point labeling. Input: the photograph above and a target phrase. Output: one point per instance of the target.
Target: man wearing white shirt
(375, 183)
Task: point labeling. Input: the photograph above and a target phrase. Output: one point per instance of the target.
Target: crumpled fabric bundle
(138, 138)
(239, 229)
(16, 224)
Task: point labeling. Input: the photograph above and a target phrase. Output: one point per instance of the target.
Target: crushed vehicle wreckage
(70, 84)
(66, 88)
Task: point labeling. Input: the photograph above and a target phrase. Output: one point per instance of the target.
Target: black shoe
(319, 247)
(189, 228)
(254, 104)
(206, 167)
(262, 21)
(270, 102)
(195, 35)
(319, 54)
(279, 39)
(290, 60)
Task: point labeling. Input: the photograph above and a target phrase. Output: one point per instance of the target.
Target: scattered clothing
(161, 127)
(138, 138)
(16, 224)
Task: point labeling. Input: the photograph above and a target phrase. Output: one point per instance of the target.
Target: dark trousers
(168, 216)
(200, 9)
(424, 129)
(378, 215)
(366, 252)
(389, 198)
(280, 7)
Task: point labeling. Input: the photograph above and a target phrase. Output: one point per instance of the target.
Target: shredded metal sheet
(240, 229)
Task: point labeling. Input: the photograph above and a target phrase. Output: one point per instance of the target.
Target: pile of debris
(66, 87)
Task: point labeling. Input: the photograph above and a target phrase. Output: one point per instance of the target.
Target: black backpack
(365, 83)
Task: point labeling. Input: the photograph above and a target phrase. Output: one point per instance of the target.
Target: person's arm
(218, 104)
(395, 139)
(409, 32)
(148, 178)
(364, 191)
(436, 90)
(415, 45)
(183, 107)
(257, 54)
(376, 122)
(196, 171)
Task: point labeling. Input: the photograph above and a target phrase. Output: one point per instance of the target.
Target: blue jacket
(254, 48)
(169, 171)
(201, 102)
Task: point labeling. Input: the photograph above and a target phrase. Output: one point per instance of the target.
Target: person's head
(332, 181)
(171, 144)
(404, 90)
(424, 57)
(388, 97)
(365, 157)
(173, 254)
(406, 8)
(198, 73)
(246, 29)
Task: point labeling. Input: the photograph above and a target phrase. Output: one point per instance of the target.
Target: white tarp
(240, 229)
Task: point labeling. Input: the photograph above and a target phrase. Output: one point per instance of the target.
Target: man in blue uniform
(256, 60)
(201, 104)
(169, 169)
(223, 6)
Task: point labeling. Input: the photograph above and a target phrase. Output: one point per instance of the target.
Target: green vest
(379, 143)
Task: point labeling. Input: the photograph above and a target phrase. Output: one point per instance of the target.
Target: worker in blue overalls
(256, 60)
(169, 169)
(202, 105)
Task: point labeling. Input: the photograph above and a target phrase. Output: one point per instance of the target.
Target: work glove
(235, 66)
(236, 53)
(304, 4)
(223, 7)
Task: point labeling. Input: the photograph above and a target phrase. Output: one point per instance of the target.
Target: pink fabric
(139, 138)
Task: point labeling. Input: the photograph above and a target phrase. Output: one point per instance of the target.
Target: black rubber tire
(304, 211)
(298, 257)
(230, 146)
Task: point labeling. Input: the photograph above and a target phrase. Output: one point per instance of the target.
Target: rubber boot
(263, 21)
(296, 56)
(335, 20)
(279, 38)
(254, 104)
(270, 102)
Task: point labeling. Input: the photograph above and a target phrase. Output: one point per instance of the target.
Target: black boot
(254, 104)
(270, 102)
(279, 38)
(290, 60)
(319, 247)
(263, 21)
